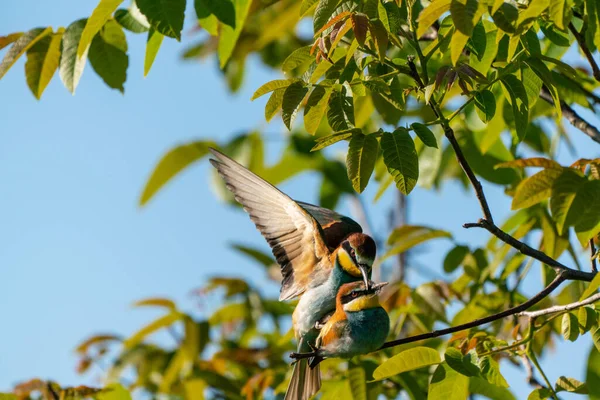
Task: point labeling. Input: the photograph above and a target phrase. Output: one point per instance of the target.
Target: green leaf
(224, 10)
(485, 103)
(152, 327)
(274, 104)
(325, 141)
(409, 236)
(165, 16)
(593, 373)
(407, 360)
(558, 13)
(323, 12)
(152, 46)
(229, 36)
(229, 313)
(108, 55)
(171, 164)
(20, 46)
(564, 384)
(535, 189)
(206, 19)
(455, 257)
(462, 364)
(360, 161)
(42, 62)
(592, 288)
(541, 70)
(315, 108)
(156, 302)
(465, 15)
(114, 391)
(585, 213)
(586, 317)
(532, 12)
(564, 192)
(340, 114)
(447, 384)
(430, 14)
(570, 327)
(425, 134)
(490, 370)
(292, 97)
(401, 159)
(266, 260)
(540, 394)
(306, 6)
(95, 22)
(271, 86)
(358, 383)
(519, 103)
(532, 84)
(132, 19)
(298, 59)
(71, 66)
(486, 389)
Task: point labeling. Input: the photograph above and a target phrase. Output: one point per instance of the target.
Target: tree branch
(588, 54)
(557, 309)
(574, 119)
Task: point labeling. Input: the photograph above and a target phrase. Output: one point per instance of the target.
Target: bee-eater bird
(359, 324)
(318, 250)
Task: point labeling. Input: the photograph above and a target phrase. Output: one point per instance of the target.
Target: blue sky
(76, 250)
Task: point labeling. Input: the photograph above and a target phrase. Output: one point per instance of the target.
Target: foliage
(393, 78)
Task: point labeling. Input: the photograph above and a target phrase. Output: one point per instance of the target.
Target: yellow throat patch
(348, 264)
(363, 303)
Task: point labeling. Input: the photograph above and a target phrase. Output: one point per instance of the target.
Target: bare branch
(560, 278)
(574, 119)
(588, 54)
(557, 309)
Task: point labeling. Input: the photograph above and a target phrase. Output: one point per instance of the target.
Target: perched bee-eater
(359, 325)
(318, 250)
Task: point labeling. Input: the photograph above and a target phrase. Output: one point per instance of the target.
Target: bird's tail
(305, 381)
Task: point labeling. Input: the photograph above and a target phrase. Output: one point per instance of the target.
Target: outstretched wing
(335, 226)
(294, 235)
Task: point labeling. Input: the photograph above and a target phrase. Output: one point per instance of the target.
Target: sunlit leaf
(409, 236)
(42, 62)
(132, 19)
(156, 302)
(431, 14)
(95, 22)
(71, 66)
(407, 360)
(462, 364)
(564, 384)
(358, 385)
(171, 164)
(447, 384)
(271, 86)
(535, 189)
(517, 96)
(570, 327)
(292, 97)
(160, 323)
(485, 103)
(484, 388)
(362, 154)
(315, 108)
(20, 46)
(229, 36)
(152, 45)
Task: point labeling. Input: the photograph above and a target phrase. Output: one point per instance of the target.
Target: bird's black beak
(364, 270)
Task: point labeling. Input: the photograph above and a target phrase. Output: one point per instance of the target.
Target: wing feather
(294, 235)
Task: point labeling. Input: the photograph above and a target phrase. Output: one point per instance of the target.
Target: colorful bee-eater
(359, 325)
(318, 249)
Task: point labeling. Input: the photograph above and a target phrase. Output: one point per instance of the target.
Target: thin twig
(529, 371)
(588, 54)
(530, 251)
(557, 309)
(593, 255)
(574, 119)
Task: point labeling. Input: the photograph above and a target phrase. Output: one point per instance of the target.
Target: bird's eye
(353, 253)
(354, 294)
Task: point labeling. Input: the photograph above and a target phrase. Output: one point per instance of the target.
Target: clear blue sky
(76, 250)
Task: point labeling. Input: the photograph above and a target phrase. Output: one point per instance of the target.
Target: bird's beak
(378, 286)
(364, 270)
